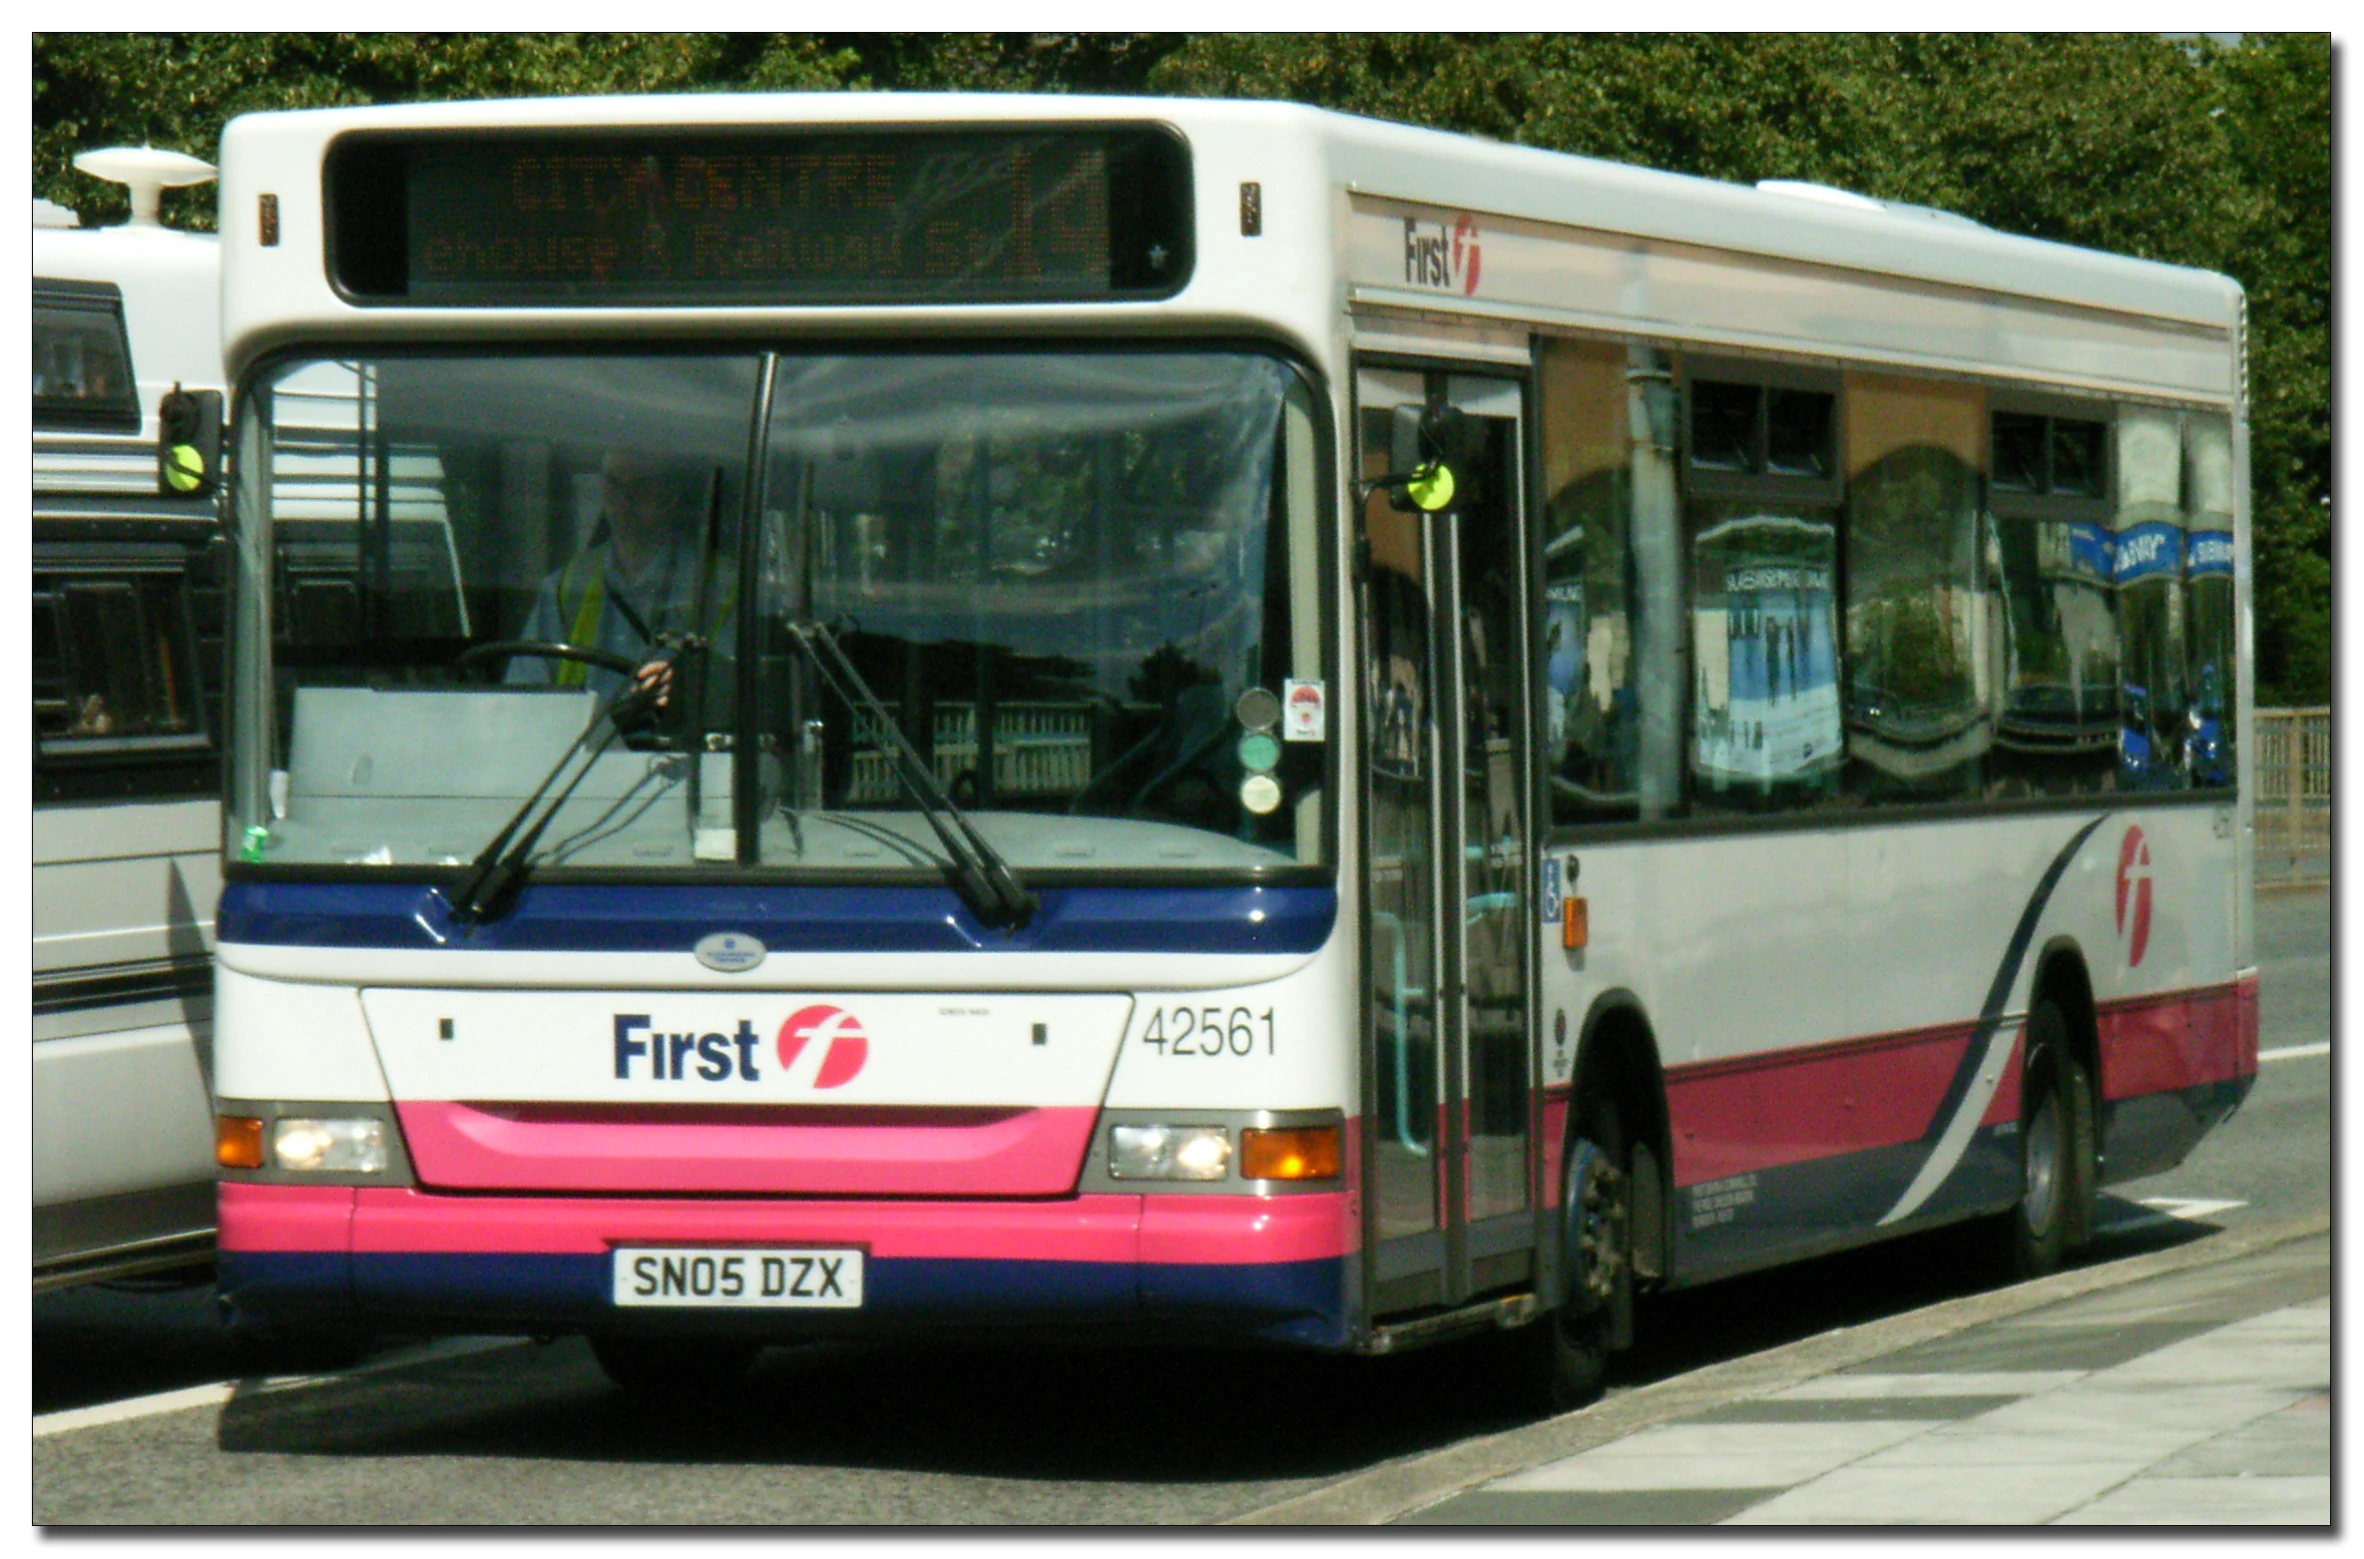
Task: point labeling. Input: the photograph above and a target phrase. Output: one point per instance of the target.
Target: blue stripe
(1302, 1302)
(554, 917)
(1796, 1211)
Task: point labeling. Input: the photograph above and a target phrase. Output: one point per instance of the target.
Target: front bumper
(1168, 1268)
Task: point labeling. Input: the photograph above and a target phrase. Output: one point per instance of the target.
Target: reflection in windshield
(1059, 572)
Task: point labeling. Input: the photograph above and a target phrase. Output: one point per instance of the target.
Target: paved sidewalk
(2191, 1386)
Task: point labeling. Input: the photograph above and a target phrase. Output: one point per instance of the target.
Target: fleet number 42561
(1210, 1031)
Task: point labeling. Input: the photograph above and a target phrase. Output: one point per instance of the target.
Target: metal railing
(2293, 776)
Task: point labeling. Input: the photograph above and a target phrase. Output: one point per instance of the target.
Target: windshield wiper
(483, 894)
(990, 887)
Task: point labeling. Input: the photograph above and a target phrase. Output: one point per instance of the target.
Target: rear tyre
(681, 1368)
(1559, 1363)
(2057, 1153)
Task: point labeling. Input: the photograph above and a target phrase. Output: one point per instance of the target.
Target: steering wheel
(548, 649)
(1198, 754)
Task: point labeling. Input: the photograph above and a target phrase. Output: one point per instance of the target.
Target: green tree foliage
(2184, 152)
(2276, 93)
(177, 90)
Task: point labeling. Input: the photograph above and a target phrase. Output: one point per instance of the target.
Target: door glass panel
(1492, 819)
(1400, 871)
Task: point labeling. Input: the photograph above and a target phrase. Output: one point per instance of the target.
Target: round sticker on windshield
(1259, 752)
(1257, 709)
(1260, 793)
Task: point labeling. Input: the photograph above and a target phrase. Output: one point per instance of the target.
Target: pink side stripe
(2179, 1041)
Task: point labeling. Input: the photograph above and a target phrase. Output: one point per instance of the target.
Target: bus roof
(1368, 159)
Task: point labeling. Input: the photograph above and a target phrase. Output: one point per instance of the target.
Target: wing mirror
(1431, 450)
(189, 443)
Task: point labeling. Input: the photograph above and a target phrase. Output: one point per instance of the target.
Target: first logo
(834, 1034)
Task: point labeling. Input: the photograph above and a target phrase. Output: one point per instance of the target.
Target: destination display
(761, 216)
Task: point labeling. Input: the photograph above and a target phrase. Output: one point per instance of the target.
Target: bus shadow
(1100, 1415)
(1694, 1328)
(1139, 1415)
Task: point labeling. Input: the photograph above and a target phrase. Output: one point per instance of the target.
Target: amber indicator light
(1289, 1153)
(237, 1142)
(1575, 926)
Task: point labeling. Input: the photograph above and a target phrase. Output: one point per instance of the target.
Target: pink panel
(284, 1217)
(1084, 1228)
(1761, 1112)
(2181, 1040)
(1555, 1139)
(2004, 1106)
(2245, 1015)
(510, 1147)
(1228, 1230)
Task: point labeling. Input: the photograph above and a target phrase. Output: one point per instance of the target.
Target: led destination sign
(767, 216)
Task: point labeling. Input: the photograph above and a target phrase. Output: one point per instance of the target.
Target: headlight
(329, 1146)
(1168, 1152)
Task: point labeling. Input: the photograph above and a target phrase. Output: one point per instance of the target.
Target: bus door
(1448, 1062)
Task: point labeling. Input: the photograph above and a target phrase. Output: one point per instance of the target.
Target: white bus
(1248, 724)
(127, 646)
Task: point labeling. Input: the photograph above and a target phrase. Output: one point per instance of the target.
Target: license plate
(738, 1277)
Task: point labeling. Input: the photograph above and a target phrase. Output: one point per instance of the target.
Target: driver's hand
(656, 675)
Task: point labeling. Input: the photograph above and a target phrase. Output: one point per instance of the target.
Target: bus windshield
(1079, 583)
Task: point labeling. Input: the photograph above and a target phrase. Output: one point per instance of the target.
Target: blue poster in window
(2089, 550)
(2152, 550)
(2211, 554)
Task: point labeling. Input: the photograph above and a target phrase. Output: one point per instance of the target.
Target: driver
(642, 577)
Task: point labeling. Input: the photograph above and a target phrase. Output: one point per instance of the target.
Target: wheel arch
(2063, 977)
(1617, 1049)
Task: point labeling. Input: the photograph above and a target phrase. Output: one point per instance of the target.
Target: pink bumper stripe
(1213, 1230)
(1156, 1230)
(284, 1217)
(492, 1147)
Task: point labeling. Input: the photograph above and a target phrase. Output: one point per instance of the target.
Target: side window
(1919, 699)
(1611, 674)
(114, 664)
(1760, 520)
(82, 359)
(2057, 660)
(2147, 548)
(2208, 581)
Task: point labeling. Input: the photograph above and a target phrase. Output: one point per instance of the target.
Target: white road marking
(2166, 1209)
(2293, 1052)
(223, 1390)
(136, 1407)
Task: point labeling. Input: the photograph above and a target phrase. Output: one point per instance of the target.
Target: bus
(1241, 724)
(127, 646)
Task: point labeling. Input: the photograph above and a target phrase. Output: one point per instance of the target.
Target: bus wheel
(2057, 1148)
(675, 1367)
(1561, 1360)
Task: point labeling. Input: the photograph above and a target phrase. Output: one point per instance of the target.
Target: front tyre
(1559, 1363)
(2057, 1147)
